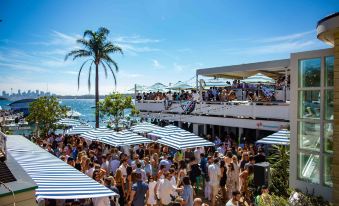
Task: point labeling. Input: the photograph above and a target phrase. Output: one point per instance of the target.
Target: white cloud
(289, 37)
(134, 40)
(156, 64)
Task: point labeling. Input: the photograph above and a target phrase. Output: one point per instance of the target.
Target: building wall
(303, 155)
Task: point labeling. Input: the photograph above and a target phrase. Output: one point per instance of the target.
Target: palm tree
(96, 48)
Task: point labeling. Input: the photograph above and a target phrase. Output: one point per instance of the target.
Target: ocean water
(84, 106)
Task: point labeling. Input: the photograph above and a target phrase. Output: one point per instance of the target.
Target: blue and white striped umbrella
(258, 78)
(79, 129)
(184, 140)
(124, 138)
(97, 133)
(145, 127)
(281, 137)
(68, 122)
(164, 131)
(54, 177)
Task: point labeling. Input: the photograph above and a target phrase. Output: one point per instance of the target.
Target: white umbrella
(180, 86)
(145, 127)
(258, 78)
(79, 129)
(124, 138)
(157, 87)
(68, 122)
(97, 133)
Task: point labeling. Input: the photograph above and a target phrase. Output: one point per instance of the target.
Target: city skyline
(163, 41)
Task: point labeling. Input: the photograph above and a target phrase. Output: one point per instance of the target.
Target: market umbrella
(180, 86)
(258, 78)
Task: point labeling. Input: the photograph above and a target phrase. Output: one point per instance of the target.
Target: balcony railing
(235, 109)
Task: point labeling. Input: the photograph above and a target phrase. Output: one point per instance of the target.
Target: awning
(97, 133)
(79, 129)
(281, 137)
(144, 127)
(124, 138)
(54, 177)
(68, 122)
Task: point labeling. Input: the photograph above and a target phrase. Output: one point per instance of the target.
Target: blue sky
(163, 41)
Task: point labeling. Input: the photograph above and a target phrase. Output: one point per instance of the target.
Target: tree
(280, 171)
(96, 48)
(114, 106)
(44, 113)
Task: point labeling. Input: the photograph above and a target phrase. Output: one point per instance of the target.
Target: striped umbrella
(97, 133)
(164, 131)
(55, 178)
(258, 78)
(281, 137)
(79, 129)
(124, 138)
(68, 122)
(184, 140)
(144, 127)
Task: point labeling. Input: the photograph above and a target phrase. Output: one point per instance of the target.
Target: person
(139, 190)
(260, 157)
(187, 194)
(165, 189)
(264, 198)
(119, 183)
(182, 172)
(222, 183)
(234, 201)
(152, 199)
(214, 175)
(99, 201)
(114, 165)
(244, 160)
(231, 180)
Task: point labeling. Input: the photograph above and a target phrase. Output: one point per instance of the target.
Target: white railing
(235, 109)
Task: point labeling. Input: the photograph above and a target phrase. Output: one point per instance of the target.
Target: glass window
(329, 63)
(328, 170)
(329, 104)
(309, 104)
(309, 135)
(308, 167)
(328, 137)
(309, 72)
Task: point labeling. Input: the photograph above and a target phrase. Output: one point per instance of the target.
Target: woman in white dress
(237, 171)
(152, 200)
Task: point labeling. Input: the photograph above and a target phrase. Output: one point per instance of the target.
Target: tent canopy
(281, 137)
(54, 177)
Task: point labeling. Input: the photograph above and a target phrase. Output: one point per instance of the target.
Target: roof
(269, 68)
(54, 177)
(22, 182)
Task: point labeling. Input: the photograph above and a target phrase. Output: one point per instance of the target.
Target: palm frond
(83, 64)
(109, 61)
(113, 74)
(111, 48)
(105, 69)
(89, 33)
(84, 42)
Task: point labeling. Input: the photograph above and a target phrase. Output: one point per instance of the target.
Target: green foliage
(114, 105)
(271, 200)
(279, 161)
(302, 199)
(96, 49)
(44, 113)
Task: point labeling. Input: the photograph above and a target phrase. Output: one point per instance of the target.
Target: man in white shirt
(196, 96)
(165, 189)
(105, 164)
(214, 175)
(197, 153)
(234, 201)
(123, 168)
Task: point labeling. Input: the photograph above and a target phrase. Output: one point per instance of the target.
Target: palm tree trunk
(96, 94)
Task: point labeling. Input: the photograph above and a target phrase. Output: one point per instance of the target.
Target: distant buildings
(25, 94)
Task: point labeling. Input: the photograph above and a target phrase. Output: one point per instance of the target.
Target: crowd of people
(219, 94)
(152, 175)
